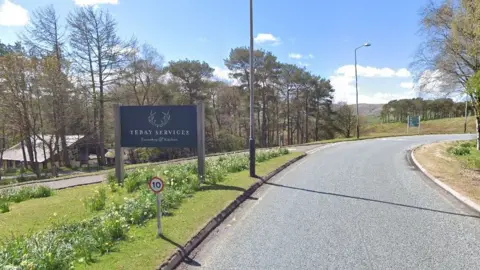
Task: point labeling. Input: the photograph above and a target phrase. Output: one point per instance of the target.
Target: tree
(100, 53)
(346, 119)
(473, 90)
(45, 39)
(193, 77)
(451, 48)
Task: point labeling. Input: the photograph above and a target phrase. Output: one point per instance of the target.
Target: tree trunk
(477, 122)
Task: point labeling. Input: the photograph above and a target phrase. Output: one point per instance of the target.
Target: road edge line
(180, 254)
(465, 200)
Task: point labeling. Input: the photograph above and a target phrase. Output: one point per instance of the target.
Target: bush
(42, 192)
(97, 201)
(25, 193)
(138, 178)
(467, 144)
(4, 207)
(460, 151)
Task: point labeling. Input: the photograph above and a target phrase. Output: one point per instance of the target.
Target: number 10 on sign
(156, 185)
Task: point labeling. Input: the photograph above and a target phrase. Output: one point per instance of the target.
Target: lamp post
(356, 87)
(252, 121)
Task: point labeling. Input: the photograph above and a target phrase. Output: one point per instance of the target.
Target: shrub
(467, 144)
(460, 151)
(97, 201)
(111, 178)
(4, 207)
(42, 192)
(138, 178)
(25, 193)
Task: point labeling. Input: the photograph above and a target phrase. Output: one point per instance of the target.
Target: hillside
(365, 109)
(446, 125)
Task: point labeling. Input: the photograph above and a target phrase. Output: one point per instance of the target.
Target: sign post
(201, 141)
(156, 185)
(118, 145)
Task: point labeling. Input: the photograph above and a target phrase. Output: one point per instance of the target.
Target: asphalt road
(355, 205)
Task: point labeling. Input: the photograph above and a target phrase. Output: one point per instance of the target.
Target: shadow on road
(372, 200)
(186, 260)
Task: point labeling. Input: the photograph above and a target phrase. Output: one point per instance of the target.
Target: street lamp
(356, 87)
(252, 121)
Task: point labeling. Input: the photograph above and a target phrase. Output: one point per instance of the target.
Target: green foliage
(4, 206)
(25, 193)
(97, 201)
(65, 244)
(138, 178)
(467, 144)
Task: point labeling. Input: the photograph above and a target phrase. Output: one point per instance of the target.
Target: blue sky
(320, 34)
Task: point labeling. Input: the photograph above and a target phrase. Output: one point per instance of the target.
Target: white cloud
(95, 2)
(343, 81)
(295, 55)
(300, 56)
(349, 71)
(407, 85)
(223, 74)
(12, 14)
(267, 38)
(403, 72)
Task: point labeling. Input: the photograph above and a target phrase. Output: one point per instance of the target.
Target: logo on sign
(163, 122)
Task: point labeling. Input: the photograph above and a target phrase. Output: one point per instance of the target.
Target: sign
(413, 121)
(158, 126)
(156, 184)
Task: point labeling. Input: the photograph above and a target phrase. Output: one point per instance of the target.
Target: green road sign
(413, 121)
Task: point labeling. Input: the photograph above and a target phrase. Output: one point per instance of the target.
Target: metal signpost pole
(156, 185)
(201, 141)
(118, 146)
(418, 124)
(408, 123)
(252, 120)
(159, 214)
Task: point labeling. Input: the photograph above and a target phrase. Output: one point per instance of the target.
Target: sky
(319, 34)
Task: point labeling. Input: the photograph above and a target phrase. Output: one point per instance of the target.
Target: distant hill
(366, 109)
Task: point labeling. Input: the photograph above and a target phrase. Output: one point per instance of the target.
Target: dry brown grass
(448, 169)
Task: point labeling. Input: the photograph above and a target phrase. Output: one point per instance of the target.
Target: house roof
(15, 152)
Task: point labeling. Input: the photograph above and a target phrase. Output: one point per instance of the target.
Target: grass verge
(145, 251)
(460, 172)
(65, 207)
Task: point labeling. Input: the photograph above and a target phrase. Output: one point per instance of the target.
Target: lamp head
(367, 44)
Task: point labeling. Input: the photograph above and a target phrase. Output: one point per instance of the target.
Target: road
(355, 205)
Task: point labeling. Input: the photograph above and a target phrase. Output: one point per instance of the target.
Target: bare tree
(99, 52)
(45, 38)
(345, 120)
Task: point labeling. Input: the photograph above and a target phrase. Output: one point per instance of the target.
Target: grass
(144, 251)
(460, 172)
(35, 215)
(446, 125)
(467, 153)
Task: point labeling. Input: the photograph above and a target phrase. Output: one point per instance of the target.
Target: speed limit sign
(156, 184)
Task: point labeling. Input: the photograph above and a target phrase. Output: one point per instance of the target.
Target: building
(80, 147)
